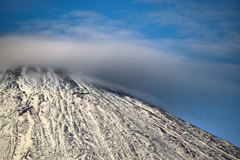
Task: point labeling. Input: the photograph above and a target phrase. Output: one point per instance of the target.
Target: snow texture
(47, 114)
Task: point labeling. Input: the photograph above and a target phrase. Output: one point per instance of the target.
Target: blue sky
(182, 56)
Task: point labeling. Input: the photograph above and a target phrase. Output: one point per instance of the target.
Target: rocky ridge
(47, 114)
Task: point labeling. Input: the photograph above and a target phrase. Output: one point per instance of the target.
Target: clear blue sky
(182, 56)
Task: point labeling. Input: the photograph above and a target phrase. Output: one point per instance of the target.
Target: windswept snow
(45, 114)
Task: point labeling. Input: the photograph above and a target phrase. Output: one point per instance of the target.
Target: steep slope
(46, 114)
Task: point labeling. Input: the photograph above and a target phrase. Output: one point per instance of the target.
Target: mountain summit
(47, 114)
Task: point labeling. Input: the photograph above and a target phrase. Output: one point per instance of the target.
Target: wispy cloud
(77, 24)
(195, 19)
(83, 14)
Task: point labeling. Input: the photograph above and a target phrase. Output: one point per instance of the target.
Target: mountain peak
(48, 114)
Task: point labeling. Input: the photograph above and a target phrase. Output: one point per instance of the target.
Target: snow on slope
(46, 114)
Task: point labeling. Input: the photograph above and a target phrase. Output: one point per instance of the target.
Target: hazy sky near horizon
(182, 56)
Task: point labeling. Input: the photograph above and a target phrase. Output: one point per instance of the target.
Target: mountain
(48, 114)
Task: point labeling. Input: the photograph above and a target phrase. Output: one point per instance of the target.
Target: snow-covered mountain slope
(46, 114)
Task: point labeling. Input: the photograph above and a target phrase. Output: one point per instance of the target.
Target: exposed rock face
(45, 114)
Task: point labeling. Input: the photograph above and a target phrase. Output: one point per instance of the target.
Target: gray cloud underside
(120, 62)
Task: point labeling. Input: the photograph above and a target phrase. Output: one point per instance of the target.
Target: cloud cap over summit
(182, 55)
